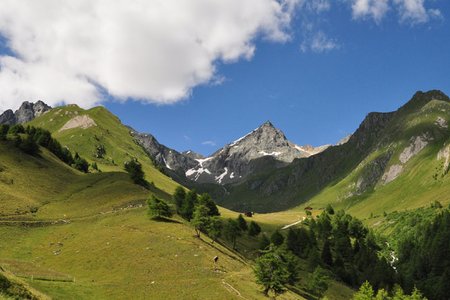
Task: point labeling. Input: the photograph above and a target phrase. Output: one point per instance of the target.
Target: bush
(157, 208)
(134, 168)
(80, 163)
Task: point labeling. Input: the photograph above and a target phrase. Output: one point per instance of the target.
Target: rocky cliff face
(162, 155)
(27, 112)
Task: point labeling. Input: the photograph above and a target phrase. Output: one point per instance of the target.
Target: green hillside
(351, 176)
(71, 235)
(98, 127)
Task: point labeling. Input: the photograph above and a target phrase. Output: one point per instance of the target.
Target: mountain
(101, 138)
(385, 150)
(232, 163)
(27, 112)
(164, 156)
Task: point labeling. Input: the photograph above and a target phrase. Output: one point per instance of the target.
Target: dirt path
(292, 224)
(231, 289)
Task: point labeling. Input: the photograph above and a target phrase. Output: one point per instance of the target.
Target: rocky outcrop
(416, 145)
(371, 174)
(82, 122)
(162, 155)
(444, 154)
(8, 117)
(27, 112)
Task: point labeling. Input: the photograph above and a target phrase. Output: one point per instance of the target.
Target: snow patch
(167, 165)
(221, 176)
(274, 153)
(232, 175)
(196, 172)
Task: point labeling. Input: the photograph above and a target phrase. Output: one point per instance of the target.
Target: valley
(70, 234)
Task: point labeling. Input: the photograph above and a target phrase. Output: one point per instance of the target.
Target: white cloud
(414, 11)
(375, 9)
(319, 42)
(410, 11)
(151, 50)
(209, 143)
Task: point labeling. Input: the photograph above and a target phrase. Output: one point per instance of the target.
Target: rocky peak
(8, 117)
(192, 154)
(234, 161)
(162, 155)
(26, 112)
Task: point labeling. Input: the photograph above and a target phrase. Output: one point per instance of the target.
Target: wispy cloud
(319, 42)
(409, 11)
(209, 143)
(414, 11)
(375, 9)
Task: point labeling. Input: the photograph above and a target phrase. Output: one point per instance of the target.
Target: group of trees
(234, 228)
(335, 243)
(134, 168)
(366, 292)
(30, 138)
(424, 258)
(204, 216)
(342, 244)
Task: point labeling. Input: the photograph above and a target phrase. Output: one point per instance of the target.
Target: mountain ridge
(372, 150)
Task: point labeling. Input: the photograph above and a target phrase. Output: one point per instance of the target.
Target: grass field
(126, 255)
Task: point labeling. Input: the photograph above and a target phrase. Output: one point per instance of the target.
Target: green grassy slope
(86, 242)
(125, 255)
(109, 132)
(57, 191)
(422, 181)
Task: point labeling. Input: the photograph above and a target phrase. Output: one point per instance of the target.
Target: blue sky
(314, 95)
(314, 98)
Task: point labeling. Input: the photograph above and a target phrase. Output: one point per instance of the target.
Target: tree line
(204, 216)
(28, 139)
(334, 245)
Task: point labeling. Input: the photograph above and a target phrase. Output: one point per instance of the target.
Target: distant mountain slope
(232, 163)
(384, 149)
(100, 137)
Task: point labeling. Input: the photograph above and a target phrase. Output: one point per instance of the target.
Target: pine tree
(215, 228)
(326, 256)
(271, 272)
(264, 242)
(134, 168)
(200, 219)
(242, 223)
(178, 197)
(253, 229)
(232, 231)
(277, 238)
(157, 208)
